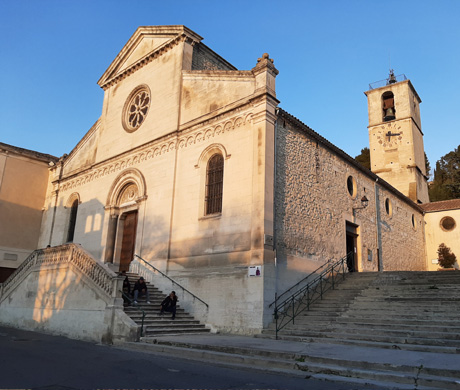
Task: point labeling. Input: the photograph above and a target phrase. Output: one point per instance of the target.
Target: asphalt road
(38, 361)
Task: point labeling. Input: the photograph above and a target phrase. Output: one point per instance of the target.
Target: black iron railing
(298, 285)
(131, 302)
(171, 280)
(288, 309)
(384, 82)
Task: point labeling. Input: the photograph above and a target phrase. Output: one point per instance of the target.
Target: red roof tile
(441, 205)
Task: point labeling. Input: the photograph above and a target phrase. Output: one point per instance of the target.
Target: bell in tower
(388, 101)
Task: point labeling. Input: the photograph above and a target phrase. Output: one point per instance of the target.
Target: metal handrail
(131, 301)
(172, 280)
(300, 282)
(291, 307)
(384, 82)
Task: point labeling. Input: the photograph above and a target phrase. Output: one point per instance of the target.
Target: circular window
(388, 207)
(351, 186)
(448, 224)
(136, 108)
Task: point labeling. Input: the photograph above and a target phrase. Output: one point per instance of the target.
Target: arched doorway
(126, 198)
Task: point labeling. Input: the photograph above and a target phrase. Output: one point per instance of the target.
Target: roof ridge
(30, 152)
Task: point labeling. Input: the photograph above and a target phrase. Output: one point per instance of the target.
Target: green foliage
(427, 167)
(446, 258)
(446, 182)
(364, 158)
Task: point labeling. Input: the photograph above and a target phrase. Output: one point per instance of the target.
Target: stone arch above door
(128, 187)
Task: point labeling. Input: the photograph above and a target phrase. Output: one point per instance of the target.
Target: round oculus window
(448, 224)
(136, 108)
(351, 186)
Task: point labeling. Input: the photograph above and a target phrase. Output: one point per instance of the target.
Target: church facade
(193, 167)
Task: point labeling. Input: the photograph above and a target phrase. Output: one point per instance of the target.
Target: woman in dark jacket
(169, 304)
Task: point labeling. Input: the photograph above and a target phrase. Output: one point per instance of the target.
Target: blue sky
(52, 53)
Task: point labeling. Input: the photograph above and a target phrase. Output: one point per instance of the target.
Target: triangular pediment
(145, 42)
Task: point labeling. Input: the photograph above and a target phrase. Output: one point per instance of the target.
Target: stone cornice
(178, 34)
(219, 74)
(153, 149)
(85, 139)
(140, 63)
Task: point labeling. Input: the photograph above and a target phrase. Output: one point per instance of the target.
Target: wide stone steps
(379, 373)
(391, 339)
(155, 324)
(364, 333)
(418, 310)
(433, 327)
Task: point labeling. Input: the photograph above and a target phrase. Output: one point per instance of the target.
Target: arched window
(214, 184)
(388, 105)
(72, 220)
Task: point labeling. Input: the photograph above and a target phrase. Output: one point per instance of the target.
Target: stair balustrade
(103, 277)
(289, 308)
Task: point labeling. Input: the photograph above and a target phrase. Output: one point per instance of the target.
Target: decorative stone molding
(72, 198)
(211, 149)
(129, 186)
(196, 135)
(144, 61)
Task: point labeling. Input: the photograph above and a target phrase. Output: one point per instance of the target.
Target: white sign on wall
(255, 270)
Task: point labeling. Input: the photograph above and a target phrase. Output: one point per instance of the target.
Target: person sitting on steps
(140, 289)
(169, 304)
(126, 288)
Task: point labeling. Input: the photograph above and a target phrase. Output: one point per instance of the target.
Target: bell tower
(395, 136)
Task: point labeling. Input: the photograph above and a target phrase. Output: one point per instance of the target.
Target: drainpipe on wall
(379, 231)
(274, 200)
(61, 166)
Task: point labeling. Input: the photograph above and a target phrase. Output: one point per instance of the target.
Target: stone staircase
(156, 325)
(399, 310)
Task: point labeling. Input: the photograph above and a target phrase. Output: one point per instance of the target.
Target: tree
(446, 182)
(364, 158)
(446, 258)
(427, 167)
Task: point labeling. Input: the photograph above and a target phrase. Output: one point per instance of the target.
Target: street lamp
(364, 203)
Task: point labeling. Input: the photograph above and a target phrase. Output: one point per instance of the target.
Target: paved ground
(38, 361)
(327, 350)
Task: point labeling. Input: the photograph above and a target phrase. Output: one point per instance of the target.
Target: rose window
(136, 109)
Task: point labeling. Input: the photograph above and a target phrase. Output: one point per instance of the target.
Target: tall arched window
(72, 221)
(214, 184)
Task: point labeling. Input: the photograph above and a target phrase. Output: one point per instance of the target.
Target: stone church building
(194, 169)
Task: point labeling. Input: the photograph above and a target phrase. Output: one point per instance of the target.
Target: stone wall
(205, 59)
(58, 295)
(313, 206)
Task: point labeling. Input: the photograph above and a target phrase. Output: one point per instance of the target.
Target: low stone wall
(53, 295)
